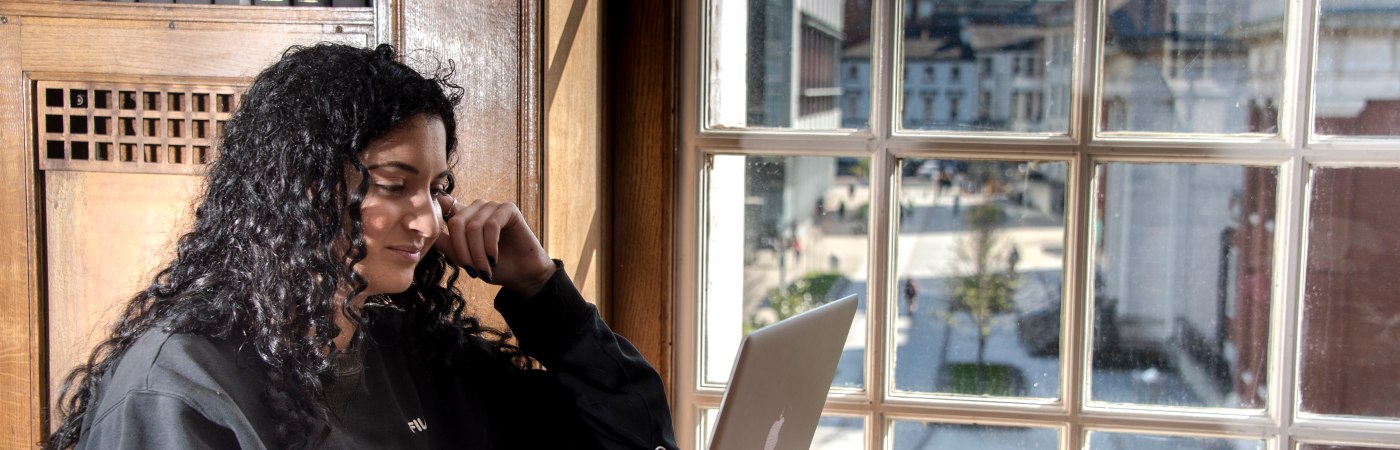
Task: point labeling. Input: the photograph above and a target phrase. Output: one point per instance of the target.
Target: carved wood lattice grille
(119, 127)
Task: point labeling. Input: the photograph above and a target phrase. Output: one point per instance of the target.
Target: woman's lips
(410, 254)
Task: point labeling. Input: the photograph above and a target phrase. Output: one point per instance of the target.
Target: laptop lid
(781, 378)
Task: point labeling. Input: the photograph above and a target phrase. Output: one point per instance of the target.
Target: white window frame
(1294, 151)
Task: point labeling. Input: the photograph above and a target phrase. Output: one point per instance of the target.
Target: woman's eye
(439, 191)
(390, 188)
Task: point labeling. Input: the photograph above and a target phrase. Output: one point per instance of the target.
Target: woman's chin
(389, 287)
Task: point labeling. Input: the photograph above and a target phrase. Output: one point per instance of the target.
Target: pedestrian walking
(911, 292)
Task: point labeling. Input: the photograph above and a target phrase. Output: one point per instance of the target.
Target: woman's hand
(491, 241)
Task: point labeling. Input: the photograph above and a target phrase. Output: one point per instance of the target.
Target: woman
(312, 304)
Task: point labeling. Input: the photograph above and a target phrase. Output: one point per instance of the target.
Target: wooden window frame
(1295, 150)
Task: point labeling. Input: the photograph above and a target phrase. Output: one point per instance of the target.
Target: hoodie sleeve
(150, 419)
(616, 394)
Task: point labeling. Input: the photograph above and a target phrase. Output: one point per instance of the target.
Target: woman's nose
(425, 217)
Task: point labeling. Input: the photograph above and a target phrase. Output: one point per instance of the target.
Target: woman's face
(407, 172)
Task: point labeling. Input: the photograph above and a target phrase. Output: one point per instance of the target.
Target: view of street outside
(979, 282)
(1126, 441)
(909, 434)
(1180, 252)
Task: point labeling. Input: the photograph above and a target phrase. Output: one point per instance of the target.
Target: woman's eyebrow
(406, 167)
(444, 174)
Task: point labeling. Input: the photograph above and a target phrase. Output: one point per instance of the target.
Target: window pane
(1358, 69)
(912, 435)
(1192, 66)
(833, 432)
(979, 268)
(1351, 321)
(1184, 257)
(1099, 440)
(839, 433)
(1306, 446)
(799, 65)
(785, 234)
(987, 66)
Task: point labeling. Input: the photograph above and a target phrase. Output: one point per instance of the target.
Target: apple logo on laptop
(772, 441)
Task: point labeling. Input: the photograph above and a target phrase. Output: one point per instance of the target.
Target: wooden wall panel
(103, 42)
(19, 315)
(640, 88)
(531, 167)
(149, 46)
(496, 48)
(482, 40)
(574, 166)
(478, 38)
(246, 16)
(106, 236)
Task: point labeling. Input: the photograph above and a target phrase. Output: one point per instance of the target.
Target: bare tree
(988, 282)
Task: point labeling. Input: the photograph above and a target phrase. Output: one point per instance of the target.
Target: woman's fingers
(498, 217)
(491, 241)
(476, 224)
(453, 242)
(448, 206)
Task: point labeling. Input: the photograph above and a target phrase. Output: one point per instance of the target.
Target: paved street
(925, 253)
(930, 338)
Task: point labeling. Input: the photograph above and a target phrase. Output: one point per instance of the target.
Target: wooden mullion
(640, 138)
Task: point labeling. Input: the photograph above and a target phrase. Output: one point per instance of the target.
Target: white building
(940, 85)
(994, 67)
(1358, 57)
(1173, 67)
(855, 86)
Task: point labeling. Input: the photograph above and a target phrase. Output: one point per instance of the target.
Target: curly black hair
(277, 232)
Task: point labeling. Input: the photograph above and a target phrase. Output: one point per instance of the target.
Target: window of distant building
(984, 105)
(927, 114)
(1156, 234)
(1037, 106)
(818, 50)
(1017, 102)
(954, 104)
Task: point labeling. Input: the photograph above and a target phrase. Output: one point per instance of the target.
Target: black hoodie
(175, 390)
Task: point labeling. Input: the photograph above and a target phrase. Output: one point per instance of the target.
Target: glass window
(1140, 256)
(1181, 284)
(1351, 319)
(1180, 66)
(979, 261)
(914, 435)
(994, 40)
(777, 64)
(839, 433)
(1307, 446)
(833, 432)
(1129, 441)
(786, 234)
(1358, 68)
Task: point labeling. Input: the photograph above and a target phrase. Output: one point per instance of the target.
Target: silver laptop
(780, 380)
